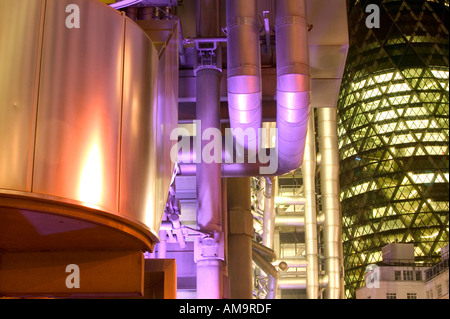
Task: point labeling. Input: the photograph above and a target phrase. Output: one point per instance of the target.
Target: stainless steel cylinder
(244, 70)
(329, 174)
(78, 115)
(309, 190)
(208, 174)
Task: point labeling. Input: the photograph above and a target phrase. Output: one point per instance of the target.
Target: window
(407, 275)
(398, 275)
(411, 295)
(391, 295)
(439, 290)
(418, 275)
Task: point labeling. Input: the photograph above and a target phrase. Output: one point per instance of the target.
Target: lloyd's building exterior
(91, 92)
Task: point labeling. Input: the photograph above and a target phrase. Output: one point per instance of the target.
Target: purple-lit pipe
(209, 279)
(293, 81)
(244, 70)
(208, 174)
(293, 84)
(208, 180)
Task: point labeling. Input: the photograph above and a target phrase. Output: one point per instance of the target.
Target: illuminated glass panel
(394, 134)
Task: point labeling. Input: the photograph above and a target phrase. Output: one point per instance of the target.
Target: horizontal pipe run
(295, 220)
(299, 282)
(205, 40)
(289, 220)
(232, 165)
(289, 200)
(293, 262)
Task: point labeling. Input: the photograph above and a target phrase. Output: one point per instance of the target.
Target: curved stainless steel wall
(79, 109)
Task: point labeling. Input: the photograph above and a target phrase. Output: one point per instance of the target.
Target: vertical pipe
(209, 216)
(209, 279)
(132, 13)
(208, 174)
(309, 190)
(162, 247)
(208, 25)
(226, 281)
(208, 181)
(240, 232)
(329, 174)
(147, 13)
(269, 212)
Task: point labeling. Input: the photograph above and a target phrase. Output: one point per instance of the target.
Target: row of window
(393, 295)
(413, 295)
(408, 275)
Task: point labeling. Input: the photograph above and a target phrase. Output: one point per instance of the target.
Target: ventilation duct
(244, 89)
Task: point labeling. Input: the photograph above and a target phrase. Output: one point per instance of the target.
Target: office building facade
(394, 132)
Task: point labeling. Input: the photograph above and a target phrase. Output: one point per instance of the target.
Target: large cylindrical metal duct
(293, 81)
(244, 71)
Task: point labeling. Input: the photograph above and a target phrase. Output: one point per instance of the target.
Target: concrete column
(240, 232)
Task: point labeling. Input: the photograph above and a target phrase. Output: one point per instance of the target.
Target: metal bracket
(209, 55)
(208, 248)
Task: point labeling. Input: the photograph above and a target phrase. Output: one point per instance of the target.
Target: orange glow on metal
(90, 187)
